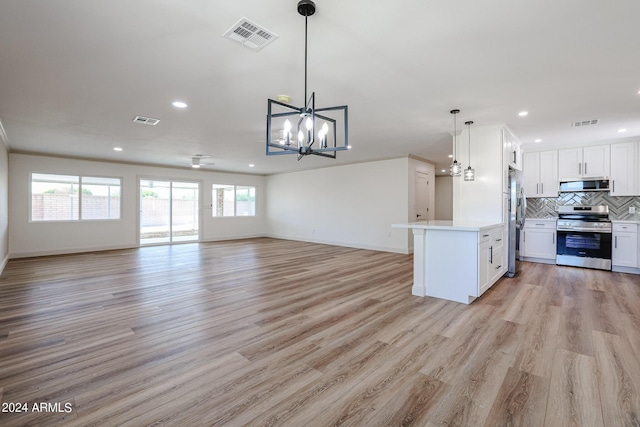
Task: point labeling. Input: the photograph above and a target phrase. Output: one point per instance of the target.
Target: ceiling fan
(197, 161)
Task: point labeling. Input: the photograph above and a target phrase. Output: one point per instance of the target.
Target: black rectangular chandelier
(306, 130)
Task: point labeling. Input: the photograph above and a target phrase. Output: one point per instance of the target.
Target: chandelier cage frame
(311, 124)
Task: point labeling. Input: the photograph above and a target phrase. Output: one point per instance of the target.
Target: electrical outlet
(632, 209)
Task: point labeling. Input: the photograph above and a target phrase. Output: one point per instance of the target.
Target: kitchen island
(456, 261)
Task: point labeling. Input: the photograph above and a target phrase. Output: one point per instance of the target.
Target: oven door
(584, 249)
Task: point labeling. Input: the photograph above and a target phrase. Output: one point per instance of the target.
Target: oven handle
(584, 230)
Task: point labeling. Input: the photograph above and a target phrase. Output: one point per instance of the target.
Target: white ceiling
(73, 74)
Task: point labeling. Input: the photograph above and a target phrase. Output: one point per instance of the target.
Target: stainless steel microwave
(588, 184)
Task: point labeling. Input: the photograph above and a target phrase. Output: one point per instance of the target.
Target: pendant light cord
(455, 138)
(469, 131)
(306, 17)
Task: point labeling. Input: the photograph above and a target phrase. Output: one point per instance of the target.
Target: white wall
(352, 205)
(41, 238)
(4, 206)
(444, 198)
(481, 199)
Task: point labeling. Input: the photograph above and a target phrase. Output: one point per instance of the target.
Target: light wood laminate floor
(272, 332)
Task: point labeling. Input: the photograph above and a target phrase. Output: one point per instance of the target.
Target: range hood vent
(582, 185)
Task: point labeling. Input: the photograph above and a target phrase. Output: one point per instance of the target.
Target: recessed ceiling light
(179, 104)
(348, 147)
(451, 156)
(117, 149)
(523, 113)
(537, 140)
(443, 170)
(195, 166)
(251, 165)
(622, 130)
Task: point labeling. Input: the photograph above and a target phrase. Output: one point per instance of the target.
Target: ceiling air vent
(146, 120)
(250, 34)
(584, 123)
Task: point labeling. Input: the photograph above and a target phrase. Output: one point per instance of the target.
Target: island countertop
(448, 225)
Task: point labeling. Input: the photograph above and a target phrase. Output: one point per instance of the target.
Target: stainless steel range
(584, 237)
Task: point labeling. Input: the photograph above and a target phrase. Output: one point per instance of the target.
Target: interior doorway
(422, 196)
(169, 211)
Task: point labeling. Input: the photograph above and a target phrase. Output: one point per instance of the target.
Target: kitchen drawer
(540, 224)
(496, 267)
(483, 236)
(629, 228)
(497, 239)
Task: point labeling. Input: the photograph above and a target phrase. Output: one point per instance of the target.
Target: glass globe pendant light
(469, 174)
(456, 168)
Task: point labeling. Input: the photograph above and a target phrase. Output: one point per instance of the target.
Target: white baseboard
(540, 260)
(69, 251)
(4, 263)
(216, 239)
(346, 245)
(629, 270)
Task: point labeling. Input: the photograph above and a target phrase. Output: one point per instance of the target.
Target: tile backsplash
(546, 207)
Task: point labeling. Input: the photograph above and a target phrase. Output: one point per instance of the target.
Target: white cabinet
(483, 265)
(539, 239)
(623, 173)
(584, 162)
(540, 174)
(456, 262)
(497, 255)
(512, 152)
(491, 258)
(624, 252)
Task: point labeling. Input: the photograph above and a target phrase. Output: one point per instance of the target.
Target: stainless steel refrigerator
(517, 207)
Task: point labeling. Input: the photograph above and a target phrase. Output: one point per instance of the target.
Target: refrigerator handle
(523, 207)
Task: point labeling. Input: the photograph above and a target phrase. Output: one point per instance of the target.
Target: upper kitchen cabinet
(512, 153)
(584, 162)
(623, 180)
(540, 172)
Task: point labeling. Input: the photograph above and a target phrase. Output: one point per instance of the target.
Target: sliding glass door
(169, 211)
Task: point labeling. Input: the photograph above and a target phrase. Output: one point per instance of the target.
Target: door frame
(140, 178)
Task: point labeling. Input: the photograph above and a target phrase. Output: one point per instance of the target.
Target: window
(233, 200)
(73, 198)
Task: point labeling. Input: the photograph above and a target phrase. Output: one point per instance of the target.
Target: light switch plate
(632, 209)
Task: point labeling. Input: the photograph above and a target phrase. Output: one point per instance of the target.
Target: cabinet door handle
(514, 156)
(537, 185)
(498, 240)
(553, 239)
(579, 168)
(485, 235)
(490, 254)
(585, 168)
(542, 186)
(616, 239)
(498, 267)
(613, 182)
(524, 236)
